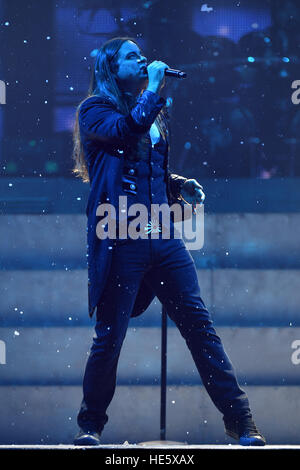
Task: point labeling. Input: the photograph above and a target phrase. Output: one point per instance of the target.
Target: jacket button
(131, 171)
(132, 186)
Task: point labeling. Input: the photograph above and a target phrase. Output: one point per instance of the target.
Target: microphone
(175, 73)
(169, 72)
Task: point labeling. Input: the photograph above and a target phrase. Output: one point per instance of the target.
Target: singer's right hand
(156, 75)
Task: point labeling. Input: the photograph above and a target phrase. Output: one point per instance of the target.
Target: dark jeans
(169, 268)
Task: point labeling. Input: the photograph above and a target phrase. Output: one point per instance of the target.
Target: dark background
(232, 118)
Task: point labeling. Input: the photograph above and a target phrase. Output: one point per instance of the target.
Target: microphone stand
(163, 388)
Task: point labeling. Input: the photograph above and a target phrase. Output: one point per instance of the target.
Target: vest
(143, 180)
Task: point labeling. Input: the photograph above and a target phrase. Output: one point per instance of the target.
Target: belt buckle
(153, 227)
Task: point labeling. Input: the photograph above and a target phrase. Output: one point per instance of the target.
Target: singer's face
(132, 65)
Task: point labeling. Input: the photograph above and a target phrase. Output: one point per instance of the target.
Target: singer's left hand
(192, 193)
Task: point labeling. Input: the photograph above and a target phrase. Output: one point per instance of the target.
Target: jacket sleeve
(175, 184)
(101, 120)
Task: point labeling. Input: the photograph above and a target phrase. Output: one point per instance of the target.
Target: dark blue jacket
(111, 146)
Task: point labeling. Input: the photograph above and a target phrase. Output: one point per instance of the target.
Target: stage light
(11, 167)
(51, 167)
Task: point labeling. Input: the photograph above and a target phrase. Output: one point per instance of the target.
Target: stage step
(60, 195)
(248, 269)
(57, 356)
(47, 415)
(233, 296)
(246, 240)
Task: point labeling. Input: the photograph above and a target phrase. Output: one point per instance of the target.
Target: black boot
(87, 437)
(244, 430)
(90, 427)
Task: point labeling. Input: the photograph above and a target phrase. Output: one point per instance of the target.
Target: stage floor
(150, 446)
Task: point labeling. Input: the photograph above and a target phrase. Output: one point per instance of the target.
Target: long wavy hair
(103, 83)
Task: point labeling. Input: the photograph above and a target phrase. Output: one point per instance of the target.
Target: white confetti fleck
(206, 8)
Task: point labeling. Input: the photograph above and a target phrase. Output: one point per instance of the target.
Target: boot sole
(86, 441)
(250, 441)
(246, 441)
